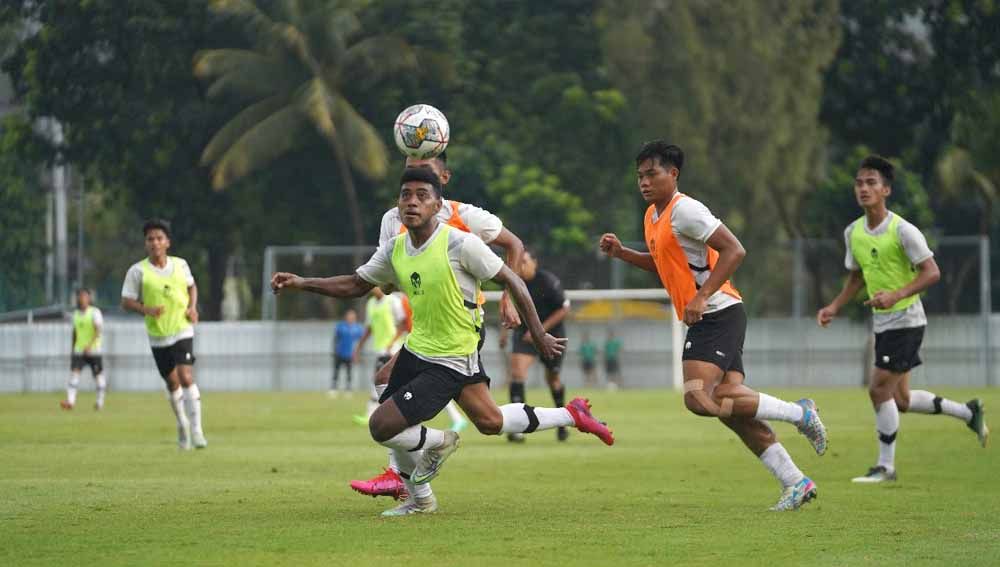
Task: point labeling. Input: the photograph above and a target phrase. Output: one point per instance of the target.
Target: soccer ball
(421, 131)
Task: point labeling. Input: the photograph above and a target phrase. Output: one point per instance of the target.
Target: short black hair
(667, 154)
(156, 223)
(443, 156)
(422, 174)
(80, 290)
(882, 166)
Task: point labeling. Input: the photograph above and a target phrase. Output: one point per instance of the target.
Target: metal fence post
(985, 307)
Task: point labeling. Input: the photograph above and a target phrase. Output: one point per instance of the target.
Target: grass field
(111, 489)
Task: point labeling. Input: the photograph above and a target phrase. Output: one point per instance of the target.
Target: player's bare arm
(855, 281)
(731, 254)
(547, 345)
(335, 286)
(551, 321)
(612, 246)
(192, 310)
(515, 250)
(137, 306)
(928, 274)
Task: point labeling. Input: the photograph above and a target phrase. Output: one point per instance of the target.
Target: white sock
(393, 463)
(779, 462)
(176, 399)
(407, 461)
(771, 408)
(71, 386)
(887, 424)
(379, 390)
(517, 418)
(922, 401)
(102, 388)
(410, 439)
(192, 405)
(453, 414)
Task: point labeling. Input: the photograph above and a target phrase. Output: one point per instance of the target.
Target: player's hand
(282, 280)
(509, 317)
(551, 347)
(610, 245)
(883, 300)
(694, 309)
(153, 312)
(825, 315)
(192, 314)
(527, 337)
(86, 351)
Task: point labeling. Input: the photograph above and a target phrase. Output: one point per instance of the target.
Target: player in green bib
(88, 323)
(890, 258)
(440, 269)
(162, 289)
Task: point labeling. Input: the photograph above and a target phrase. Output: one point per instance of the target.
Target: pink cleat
(389, 483)
(579, 408)
(65, 405)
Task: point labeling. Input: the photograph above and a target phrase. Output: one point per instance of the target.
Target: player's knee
(902, 404)
(489, 424)
(694, 404)
(379, 430)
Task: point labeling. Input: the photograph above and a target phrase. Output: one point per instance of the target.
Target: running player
(162, 289)
(490, 230)
(550, 302)
(695, 255)
(440, 269)
(385, 323)
(88, 324)
(890, 257)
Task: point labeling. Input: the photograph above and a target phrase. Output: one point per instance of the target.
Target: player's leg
(491, 419)
(558, 391)
(521, 360)
(184, 357)
(389, 482)
(73, 383)
(335, 377)
(882, 393)
(166, 365)
(922, 401)
(97, 370)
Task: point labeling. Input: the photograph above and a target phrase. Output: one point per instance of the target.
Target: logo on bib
(415, 282)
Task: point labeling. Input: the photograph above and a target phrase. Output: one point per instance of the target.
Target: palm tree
(306, 56)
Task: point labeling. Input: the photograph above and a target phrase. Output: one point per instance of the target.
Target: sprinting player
(588, 360)
(612, 360)
(385, 323)
(550, 302)
(890, 257)
(162, 289)
(440, 269)
(88, 324)
(346, 335)
(695, 255)
(490, 230)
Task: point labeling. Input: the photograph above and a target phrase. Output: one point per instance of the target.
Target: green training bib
(883, 261)
(83, 324)
(171, 292)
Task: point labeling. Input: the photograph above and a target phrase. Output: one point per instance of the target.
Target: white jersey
(692, 225)
(471, 260)
(916, 249)
(481, 222)
(132, 289)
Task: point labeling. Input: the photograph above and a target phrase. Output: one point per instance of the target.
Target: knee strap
(694, 387)
(726, 407)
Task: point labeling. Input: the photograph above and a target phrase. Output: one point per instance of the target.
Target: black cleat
(978, 422)
(562, 434)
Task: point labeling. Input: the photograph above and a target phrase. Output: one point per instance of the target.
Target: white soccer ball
(421, 131)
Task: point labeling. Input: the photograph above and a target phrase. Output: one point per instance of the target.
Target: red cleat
(388, 483)
(579, 408)
(65, 405)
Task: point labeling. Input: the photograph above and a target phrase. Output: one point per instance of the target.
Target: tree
(309, 59)
(22, 216)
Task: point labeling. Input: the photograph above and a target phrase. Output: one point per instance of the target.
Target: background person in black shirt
(550, 301)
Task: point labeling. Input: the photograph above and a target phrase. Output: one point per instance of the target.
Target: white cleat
(184, 437)
(415, 505)
(876, 475)
(432, 459)
(198, 440)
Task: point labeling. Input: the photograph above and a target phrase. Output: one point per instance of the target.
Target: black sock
(516, 392)
(559, 396)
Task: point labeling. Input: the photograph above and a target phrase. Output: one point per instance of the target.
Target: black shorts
(169, 357)
(521, 347)
(78, 361)
(339, 361)
(718, 338)
(588, 365)
(422, 389)
(898, 350)
(611, 366)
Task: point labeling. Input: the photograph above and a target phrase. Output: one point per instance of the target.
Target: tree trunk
(353, 207)
(217, 256)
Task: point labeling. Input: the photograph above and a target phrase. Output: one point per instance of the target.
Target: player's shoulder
(686, 204)
(904, 224)
(136, 267)
(390, 215)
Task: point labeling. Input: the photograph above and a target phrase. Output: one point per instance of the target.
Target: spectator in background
(346, 334)
(588, 357)
(612, 360)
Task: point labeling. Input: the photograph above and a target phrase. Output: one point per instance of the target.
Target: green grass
(111, 489)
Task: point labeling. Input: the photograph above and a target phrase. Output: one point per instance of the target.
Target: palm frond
(244, 74)
(276, 135)
(372, 59)
(240, 125)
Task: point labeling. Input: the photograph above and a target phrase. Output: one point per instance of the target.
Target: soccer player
(440, 269)
(552, 306)
(490, 230)
(612, 360)
(890, 257)
(385, 322)
(695, 255)
(588, 360)
(346, 335)
(88, 324)
(161, 288)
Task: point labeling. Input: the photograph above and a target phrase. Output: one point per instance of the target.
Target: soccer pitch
(112, 489)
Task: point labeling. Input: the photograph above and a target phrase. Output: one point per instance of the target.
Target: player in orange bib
(695, 256)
